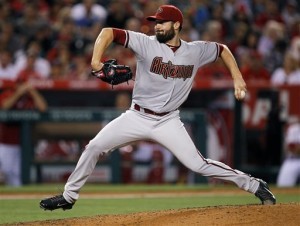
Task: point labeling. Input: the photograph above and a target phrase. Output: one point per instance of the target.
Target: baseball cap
(168, 13)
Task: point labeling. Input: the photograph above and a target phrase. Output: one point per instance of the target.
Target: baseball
(243, 94)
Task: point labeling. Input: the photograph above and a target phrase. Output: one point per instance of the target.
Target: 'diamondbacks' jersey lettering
(170, 70)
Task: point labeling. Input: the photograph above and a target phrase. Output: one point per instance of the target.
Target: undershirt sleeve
(221, 47)
(120, 36)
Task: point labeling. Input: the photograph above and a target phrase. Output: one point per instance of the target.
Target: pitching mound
(280, 214)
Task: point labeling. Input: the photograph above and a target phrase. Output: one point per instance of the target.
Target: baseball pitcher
(166, 67)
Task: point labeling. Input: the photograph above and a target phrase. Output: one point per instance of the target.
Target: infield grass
(22, 204)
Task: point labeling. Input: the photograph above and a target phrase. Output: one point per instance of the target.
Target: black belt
(148, 111)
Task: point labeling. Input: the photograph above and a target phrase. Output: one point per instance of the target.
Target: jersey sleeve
(135, 41)
(209, 51)
(138, 43)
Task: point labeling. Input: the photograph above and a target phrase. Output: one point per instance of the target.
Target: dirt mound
(279, 214)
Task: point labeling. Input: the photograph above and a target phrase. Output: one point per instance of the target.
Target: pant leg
(127, 128)
(289, 173)
(173, 135)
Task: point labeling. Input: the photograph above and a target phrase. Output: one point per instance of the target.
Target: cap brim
(153, 18)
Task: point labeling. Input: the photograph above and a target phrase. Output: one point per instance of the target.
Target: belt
(148, 111)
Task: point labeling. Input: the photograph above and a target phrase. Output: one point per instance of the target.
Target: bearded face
(164, 36)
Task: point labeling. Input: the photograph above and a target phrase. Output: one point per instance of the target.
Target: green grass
(46, 188)
(24, 210)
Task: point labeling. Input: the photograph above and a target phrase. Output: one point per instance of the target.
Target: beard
(165, 37)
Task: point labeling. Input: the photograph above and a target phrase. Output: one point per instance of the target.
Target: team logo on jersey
(170, 70)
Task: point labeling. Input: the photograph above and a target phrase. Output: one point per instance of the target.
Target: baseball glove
(113, 73)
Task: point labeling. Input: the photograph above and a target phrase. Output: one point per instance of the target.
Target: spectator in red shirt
(22, 96)
(29, 71)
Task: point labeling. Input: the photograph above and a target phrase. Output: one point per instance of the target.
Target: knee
(96, 148)
(202, 164)
(196, 166)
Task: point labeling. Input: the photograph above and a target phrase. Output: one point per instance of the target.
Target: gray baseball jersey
(164, 78)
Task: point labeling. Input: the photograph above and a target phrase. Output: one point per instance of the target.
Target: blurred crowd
(51, 39)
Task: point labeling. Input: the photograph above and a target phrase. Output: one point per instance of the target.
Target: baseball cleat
(264, 194)
(56, 202)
